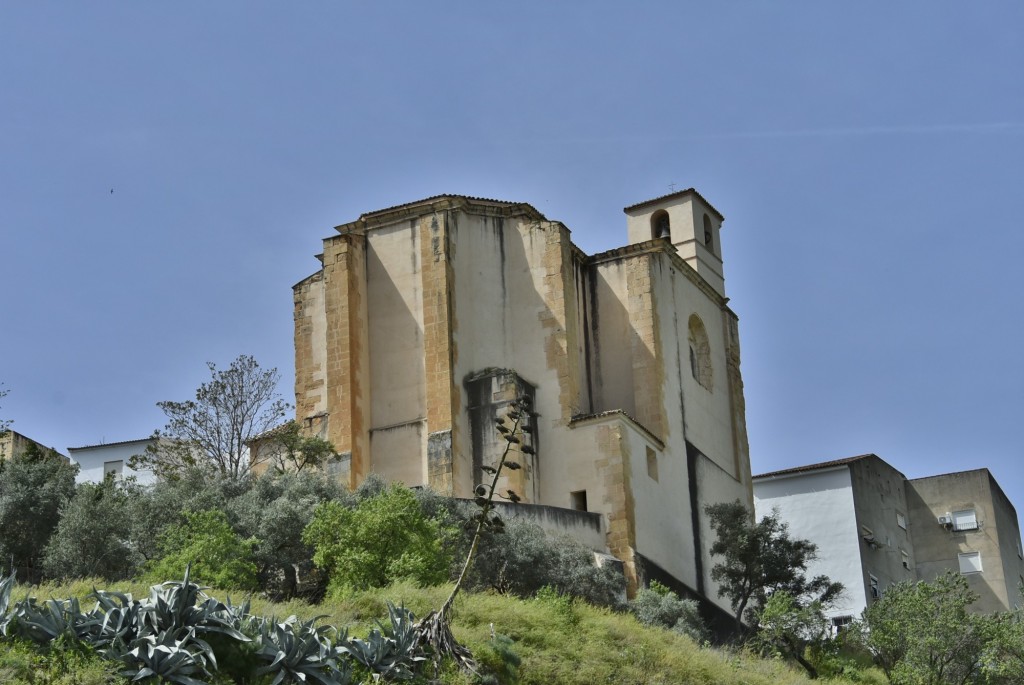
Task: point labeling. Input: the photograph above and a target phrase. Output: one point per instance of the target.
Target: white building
(95, 462)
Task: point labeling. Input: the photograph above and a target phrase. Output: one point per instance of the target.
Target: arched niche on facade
(700, 352)
(660, 225)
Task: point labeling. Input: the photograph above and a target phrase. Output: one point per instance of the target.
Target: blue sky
(868, 158)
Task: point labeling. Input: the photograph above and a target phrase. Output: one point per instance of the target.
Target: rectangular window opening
(906, 559)
(840, 623)
(578, 500)
(873, 587)
(970, 562)
(901, 520)
(113, 469)
(652, 464)
(965, 520)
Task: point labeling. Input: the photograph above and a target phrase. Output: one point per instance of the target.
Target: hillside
(556, 641)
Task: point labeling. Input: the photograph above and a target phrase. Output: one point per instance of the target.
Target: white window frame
(901, 520)
(114, 467)
(965, 519)
(970, 563)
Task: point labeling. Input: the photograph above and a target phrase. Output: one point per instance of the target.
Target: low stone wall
(585, 526)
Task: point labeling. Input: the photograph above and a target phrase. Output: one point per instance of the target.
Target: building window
(1020, 552)
(965, 520)
(113, 469)
(652, 463)
(660, 227)
(578, 500)
(709, 240)
(906, 559)
(840, 623)
(970, 562)
(901, 520)
(700, 352)
(873, 587)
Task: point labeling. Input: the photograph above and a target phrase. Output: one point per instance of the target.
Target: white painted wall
(90, 460)
(819, 506)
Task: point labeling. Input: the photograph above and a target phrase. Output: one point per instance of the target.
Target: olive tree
(213, 431)
(759, 558)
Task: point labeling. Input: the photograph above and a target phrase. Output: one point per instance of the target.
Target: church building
(426, 319)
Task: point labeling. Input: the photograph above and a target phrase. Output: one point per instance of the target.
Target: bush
(523, 559)
(33, 488)
(91, 537)
(384, 538)
(218, 556)
(658, 606)
(167, 500)
(272, 511)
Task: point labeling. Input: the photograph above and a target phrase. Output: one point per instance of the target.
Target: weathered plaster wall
(879, 495)
(397, 374)
(819, 506)
(938, 547)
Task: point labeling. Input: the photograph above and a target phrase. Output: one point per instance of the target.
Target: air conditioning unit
(945, 520)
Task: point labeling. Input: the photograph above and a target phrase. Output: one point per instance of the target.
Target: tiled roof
(109, 444)
(443, 196)
(815, 467)
(678, 193)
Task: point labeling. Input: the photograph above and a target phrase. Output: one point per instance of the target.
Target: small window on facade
(660, 226)
(873, 587)
(906, 559)
(965, 520)
(709, 240)
(578, 500)
(840, 623)
(970, 562)
(652, 463)
(901, 520)
(113, 469)
(1020, 552)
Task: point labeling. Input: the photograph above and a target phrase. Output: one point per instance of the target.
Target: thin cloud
(916, 129)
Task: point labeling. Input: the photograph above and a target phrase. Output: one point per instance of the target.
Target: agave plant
(6, 587)
(53, 619)
(299, 652)
(167, 657)
(392, 652)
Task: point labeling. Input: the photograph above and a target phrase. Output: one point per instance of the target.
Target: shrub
(523, 559)
(383, 539)
(33, 487)
(658, 606)
(218, 556)
(272, 511)
(91, 537)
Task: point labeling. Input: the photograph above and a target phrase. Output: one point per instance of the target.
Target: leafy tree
(287, 449)
(217, 554)
(92, 537)
(658, 606)
(383, 539)
(760, 558)
(33, 487)
(4, 423)
(194, 489)
(213, 430)
(1003, 660)
(272, 510)
(786, 628)
(923, 633)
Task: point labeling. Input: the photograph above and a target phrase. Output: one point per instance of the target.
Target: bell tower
(690, 223)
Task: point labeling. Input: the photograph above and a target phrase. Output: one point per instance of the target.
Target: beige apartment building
(427, 318)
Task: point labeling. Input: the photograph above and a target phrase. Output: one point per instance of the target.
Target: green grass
(557, 641)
